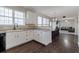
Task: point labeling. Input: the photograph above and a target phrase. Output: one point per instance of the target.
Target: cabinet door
(28, 34)
(15, 38)
(31, 35)
(39, 36)
(10, 40)
(44, 37)
(36, 35)
(21, 37)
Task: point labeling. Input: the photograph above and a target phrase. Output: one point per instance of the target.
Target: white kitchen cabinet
(43, 36)
(29, 35)
(15, 38)
(36, 35)
(10, 40)
(46, 37)
(20, 37)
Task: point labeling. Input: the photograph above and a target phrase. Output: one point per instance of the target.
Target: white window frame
(46, 22)
(4, 16)
(42, 22)
(38, 20)
(12, 17)
(19, 18)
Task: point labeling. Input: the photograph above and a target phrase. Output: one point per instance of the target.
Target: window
(1, 20)
(5, 16)
(39, 21)
(19, 18)
(1, 11)
(45, 22)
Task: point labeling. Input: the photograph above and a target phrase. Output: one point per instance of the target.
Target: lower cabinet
(36, 35)
(10, 40)
(20, 37)
(28, 35)
(43, 36)
(46, 37)
(15, 38)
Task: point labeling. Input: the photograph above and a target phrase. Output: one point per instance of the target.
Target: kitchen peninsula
(14, 38)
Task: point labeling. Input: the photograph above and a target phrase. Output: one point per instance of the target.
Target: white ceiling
(55, 11)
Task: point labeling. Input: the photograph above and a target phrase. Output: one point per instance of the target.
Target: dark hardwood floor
(61, 44)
